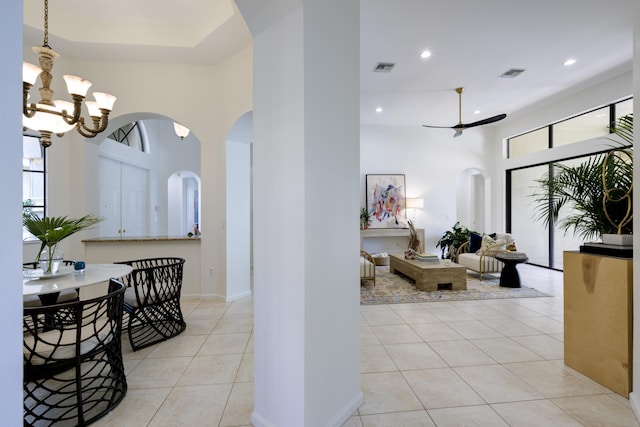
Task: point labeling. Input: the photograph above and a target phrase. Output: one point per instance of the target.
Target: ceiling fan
(462, 126)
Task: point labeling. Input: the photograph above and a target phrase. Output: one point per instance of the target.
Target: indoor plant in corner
(599, 191)
(51, 231)
(365, 219)
(451, 240)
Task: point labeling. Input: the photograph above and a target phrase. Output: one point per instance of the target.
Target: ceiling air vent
(383, 67)
(514, 72)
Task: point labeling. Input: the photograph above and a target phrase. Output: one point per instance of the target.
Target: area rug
(396, 289)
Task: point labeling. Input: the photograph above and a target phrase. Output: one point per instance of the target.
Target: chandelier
(52, 116)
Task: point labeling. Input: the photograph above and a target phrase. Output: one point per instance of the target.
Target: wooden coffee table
(430, 276)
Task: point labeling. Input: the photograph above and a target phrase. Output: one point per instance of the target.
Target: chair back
(73, 369)
(155, 280)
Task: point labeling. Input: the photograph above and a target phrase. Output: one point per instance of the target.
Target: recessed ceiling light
(379, 110)
(425, 54)
(569, 61)
(476, 112)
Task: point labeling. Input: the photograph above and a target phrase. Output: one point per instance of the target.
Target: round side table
(509, 277)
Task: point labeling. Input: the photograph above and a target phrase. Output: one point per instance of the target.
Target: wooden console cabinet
(598, 316)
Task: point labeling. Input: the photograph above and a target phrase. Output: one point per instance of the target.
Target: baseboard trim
(350, 408)
(634, 400)
(238, 296)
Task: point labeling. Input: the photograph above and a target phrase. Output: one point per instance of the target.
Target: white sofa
(483, 261)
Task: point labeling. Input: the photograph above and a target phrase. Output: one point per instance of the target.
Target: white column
(634, 397)
(306, 200)
(10, 214)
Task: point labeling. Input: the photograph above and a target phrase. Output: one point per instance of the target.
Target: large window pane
(531, 142)
(33, 179)
(583, 127)
(565, 242)
(531, 236)
(624, 108)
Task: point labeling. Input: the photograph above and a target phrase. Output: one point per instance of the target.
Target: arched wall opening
(122, 174)
(473, 199)
(239, 232)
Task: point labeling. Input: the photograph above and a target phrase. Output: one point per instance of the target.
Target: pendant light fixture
(52, 116)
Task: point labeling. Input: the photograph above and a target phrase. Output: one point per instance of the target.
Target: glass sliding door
(531, 236)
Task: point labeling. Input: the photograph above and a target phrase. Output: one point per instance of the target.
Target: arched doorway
(239, 208)
(473, 199)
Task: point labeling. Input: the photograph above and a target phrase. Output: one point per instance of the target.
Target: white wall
(306, 369)
(10, 215)
(432, 161)
(238, 219)
(206, 99)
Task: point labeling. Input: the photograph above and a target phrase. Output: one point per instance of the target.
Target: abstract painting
(386, 200)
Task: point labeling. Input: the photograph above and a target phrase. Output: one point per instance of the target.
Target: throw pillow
(475, 242)
(491, 247)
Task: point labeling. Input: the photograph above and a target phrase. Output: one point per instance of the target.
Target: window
(592, 124)
(545, 246)
(132, 135)
(33, 179)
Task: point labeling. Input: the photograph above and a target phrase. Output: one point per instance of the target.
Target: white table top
(93, 273)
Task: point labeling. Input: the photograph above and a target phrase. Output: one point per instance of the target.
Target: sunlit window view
(545, 245)
(33, 179)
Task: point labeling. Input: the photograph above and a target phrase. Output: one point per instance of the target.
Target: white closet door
(134, 200)
(123, 199)
(110, 197)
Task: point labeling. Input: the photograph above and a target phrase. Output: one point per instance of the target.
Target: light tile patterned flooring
(465, 363)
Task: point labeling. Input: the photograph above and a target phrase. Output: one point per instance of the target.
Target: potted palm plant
(599, 191)
(365, 219)
(51, 231)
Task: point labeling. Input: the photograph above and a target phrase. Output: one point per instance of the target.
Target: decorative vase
(50, 259)
(618, 239)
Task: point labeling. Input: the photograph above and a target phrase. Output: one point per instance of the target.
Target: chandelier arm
(99, 124)
(77, 109)
(27, 109)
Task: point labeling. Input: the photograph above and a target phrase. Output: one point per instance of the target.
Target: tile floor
(468, 363)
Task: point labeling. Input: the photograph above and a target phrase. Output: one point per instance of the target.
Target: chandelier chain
(45, 43)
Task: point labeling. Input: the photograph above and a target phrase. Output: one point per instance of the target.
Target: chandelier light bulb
(30, 73)
(77, 85)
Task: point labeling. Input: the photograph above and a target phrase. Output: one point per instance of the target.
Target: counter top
(118, 239)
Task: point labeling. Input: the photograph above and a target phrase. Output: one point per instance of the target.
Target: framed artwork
(386, 200)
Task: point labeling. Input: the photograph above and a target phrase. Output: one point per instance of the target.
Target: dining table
(48, 286)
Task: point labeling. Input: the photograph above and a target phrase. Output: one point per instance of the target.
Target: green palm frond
(51, 230)
(582, 189)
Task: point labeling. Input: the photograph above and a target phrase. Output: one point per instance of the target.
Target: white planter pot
(618, 239)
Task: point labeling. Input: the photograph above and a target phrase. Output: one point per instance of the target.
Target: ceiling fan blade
(461, 126)
(438, 127)
(484, 121)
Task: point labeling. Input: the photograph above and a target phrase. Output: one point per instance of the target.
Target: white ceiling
(472, 43)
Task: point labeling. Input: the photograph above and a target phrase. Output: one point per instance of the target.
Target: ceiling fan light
(30, 73)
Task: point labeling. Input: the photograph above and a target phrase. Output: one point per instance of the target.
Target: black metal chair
(65, 295)
(73, 372)
(152, 300)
